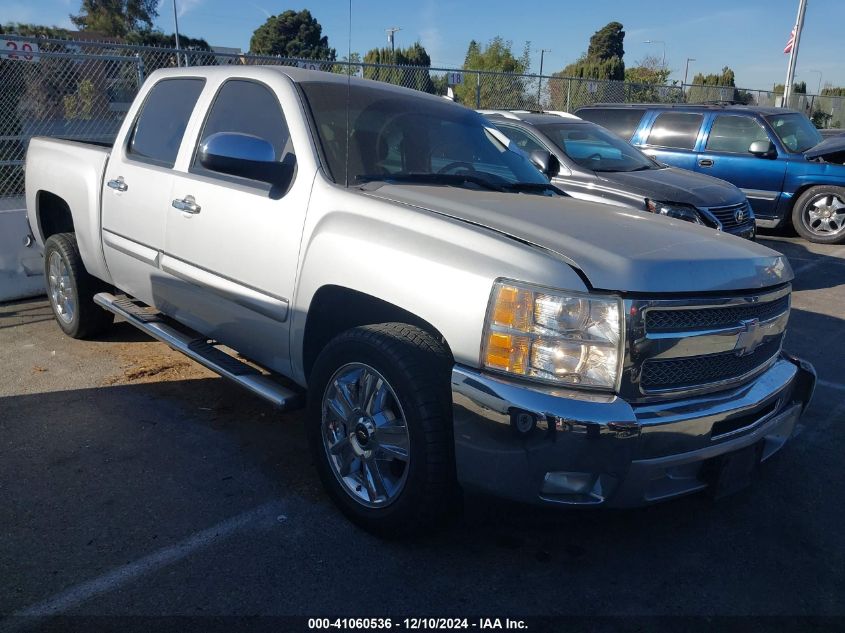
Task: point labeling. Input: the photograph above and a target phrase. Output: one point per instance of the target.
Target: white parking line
(818, 261)
(830, 385)
(121, 576)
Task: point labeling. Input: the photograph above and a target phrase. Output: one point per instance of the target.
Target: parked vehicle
(370, 243)
(776, 156)
(596, 165)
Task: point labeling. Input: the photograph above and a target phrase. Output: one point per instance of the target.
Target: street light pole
(176, 23)
(686, 70)
(664, 49)
(543, 51)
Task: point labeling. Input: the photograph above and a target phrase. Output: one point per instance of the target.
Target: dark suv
(598, 166)
(776, 156)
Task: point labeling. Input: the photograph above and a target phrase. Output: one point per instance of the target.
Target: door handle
(117, 184)
(187, 205)
(705, 162)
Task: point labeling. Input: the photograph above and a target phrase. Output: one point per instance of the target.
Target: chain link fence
(82, 90)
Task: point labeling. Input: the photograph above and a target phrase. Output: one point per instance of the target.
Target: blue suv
(776, 156)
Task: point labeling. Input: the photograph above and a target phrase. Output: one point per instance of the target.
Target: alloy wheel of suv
(819, 214)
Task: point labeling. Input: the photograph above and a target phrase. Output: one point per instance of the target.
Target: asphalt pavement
(135, 483)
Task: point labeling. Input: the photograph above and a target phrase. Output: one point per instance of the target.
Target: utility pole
(819, 90)
(391, 40)
(663, 63)
(686, 70)
(543, 51)
(793, 54)
(176, 22)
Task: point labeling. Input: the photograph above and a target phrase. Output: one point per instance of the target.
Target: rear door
(623, 122)
(233, 258)
(137, 185)
(725, 155)
(672, 137)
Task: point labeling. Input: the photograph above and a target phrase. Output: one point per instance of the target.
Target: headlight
(553, 335)
(677, 211)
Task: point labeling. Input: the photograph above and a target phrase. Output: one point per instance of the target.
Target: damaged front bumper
(539, 444)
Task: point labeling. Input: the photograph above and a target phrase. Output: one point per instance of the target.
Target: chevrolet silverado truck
(449, 321)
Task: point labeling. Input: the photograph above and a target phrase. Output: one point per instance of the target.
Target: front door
(726, 156)
(136, 192)
(232, 246)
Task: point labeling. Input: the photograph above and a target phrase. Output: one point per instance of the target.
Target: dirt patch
(154, 362)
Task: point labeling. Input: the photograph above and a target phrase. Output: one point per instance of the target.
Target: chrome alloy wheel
(825, 215)
(365, 435)
(61, 288)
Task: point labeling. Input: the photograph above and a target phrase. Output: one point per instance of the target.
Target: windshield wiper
(531, 187)
(455, 180)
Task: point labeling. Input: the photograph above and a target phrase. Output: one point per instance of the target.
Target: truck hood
(832, 145)
(616, 249)
(676, 185)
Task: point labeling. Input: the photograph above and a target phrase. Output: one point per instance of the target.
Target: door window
(247, 107)
(162, 120)
(675, 130)
(734, 134)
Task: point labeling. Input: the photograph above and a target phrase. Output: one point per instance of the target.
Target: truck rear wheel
(380, 427)
(818, 214)
(71, 289)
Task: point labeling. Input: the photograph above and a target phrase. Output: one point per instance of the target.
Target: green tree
(505, 89)
(414, 62)
(647, 82)
(292, 34)
(602, 62)
(714, 87)
(115, 18)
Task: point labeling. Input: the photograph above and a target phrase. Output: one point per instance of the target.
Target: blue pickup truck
(776, 156)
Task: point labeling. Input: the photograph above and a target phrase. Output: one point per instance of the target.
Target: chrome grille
(727, 215)
(679, 373)
(687, 346)
(708, 318)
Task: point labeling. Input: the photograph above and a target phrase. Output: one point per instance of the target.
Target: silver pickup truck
(456, 324)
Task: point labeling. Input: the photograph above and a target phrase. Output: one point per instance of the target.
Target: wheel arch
(335, 309)
(52, 214)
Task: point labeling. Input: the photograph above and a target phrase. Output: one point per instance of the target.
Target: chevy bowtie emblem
(750, 338)
(740, 215)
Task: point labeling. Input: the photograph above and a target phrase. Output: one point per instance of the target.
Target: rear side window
(621, 121)
(248, 107)
(677, 130)
(522, 140)
(734, 134)
(162, 120)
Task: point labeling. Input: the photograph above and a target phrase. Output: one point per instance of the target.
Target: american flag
(791, 42)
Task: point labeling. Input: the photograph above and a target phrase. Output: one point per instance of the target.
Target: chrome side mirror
(242, 155)
(763, 149)
(546, 162)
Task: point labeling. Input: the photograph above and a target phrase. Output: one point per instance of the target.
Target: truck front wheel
(71, 289)
(380, 427)
(819, 214)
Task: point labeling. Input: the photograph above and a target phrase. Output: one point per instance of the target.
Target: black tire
(417, 368)
(88, 319)
(802, 221)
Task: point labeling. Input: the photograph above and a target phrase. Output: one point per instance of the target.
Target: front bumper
(539, 444)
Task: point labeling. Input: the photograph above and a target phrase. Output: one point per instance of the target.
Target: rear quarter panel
(72, 171)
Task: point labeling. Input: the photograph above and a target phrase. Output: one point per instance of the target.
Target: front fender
(437, 268)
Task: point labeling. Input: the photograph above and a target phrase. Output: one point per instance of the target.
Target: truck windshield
(596, 149)
(795, 131)
(403, 137)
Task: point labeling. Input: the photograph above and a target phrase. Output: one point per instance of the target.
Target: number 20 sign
(21, 51)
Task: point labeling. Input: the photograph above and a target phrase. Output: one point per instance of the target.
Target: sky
(747, 35)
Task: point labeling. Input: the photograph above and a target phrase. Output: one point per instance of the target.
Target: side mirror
(243, 155)
(546, 162)
(763, 149)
